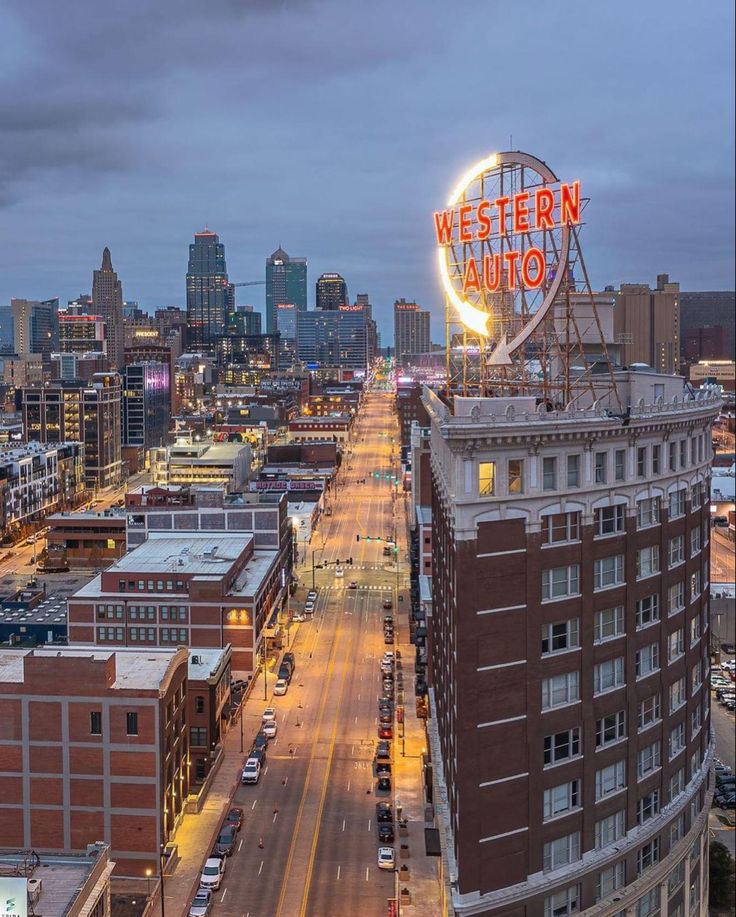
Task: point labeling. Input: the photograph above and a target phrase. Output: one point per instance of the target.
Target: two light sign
(505, 233)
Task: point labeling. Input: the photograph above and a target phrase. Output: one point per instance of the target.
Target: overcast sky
(335, 127)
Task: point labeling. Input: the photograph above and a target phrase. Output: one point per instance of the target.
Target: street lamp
(161, 870)
(149, 873)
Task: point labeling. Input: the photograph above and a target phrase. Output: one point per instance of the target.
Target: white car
(281, 687)
(339, 571)
(312, 595)
(202, 903)
(270, 729)
(299, 618)
(251, 772)
(214, 870)
(269, 714)
(386, 858)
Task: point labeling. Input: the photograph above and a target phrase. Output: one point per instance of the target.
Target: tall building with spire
(107, 301)
(208, 292)
(286, 283)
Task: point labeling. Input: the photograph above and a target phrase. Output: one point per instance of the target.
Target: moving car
(235, 817)
(352, 584)
(212, 873)
(309, 607)
(312, 595)
(386, 858)
(202, 903)
(339, 572)
(281, 687)
(269, 715)
(388, 605)
(225, 843)
(388, 620)
(251, 771)
(298, 618)
(270, 729)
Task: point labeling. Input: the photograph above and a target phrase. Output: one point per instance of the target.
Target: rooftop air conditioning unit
(34, 890)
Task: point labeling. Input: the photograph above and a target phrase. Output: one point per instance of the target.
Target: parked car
(725, 800)
(235, 817)
(383, 785)
(269, 715)
(388, 639)
(212, 873)
(281, 687)
(385, 832)
(270, 729)
(385, 731)
(384, 812)
(201, 904)
(309, 607)
(312, 595)
(383, 769)
(383, 751)
(385, 717)
(225, 843)
(299, 618)
(285, 672)
(260, 741)
(386, 858)
(251, 771)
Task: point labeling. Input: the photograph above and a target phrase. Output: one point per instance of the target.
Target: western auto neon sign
(505, 233)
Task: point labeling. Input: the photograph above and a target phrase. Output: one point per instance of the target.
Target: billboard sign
(13, 897)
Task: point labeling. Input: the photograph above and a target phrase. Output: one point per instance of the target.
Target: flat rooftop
(204, 663)
(62, 879)
(50, 611)
(198, 553)
(134, 668)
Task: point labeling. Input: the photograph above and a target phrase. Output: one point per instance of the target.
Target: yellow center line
(302, 801)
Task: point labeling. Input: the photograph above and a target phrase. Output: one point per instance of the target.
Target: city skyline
(631, 155)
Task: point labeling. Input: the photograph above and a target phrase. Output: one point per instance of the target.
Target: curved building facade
(570, 728)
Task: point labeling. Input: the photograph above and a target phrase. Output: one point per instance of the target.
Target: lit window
(486, 479)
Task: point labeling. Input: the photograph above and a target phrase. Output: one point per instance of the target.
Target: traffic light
(357, 537)
(351, 561)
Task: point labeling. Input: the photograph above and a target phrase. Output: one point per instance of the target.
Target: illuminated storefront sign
(504, 233)
(13, 897)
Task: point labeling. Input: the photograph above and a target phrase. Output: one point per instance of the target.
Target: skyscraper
(646, 323)
(286, 282)
(35, 325)
(332, 292)
(81, 333)
(208, 292)
(411, 331)
(107, 301)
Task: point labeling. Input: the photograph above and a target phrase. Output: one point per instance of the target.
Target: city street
(314, 809)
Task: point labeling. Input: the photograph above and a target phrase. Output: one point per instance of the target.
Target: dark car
(388, 676)
(285, 671)
(725, 800)
(235, 818)
(385, 732)
(385, 705)
(726, 783)
(384, 812)
(225, 843)
(386, 717)
(388, 640)
(259, 754)
(383, 768)
(260, 741)
(383, 785)
(388, 604)
(383, 751)
(385, 832)
(388, 621)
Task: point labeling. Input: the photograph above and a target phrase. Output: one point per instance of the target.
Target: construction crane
(250, 283)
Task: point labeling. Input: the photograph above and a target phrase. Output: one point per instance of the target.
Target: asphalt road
(314, 810)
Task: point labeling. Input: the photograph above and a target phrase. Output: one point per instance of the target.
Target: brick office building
(569, 669)
(95, 747)
(199, 589)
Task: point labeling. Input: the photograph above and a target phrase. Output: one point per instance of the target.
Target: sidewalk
(197, 832)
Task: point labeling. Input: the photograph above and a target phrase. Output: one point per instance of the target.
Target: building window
(561, 852)
(673, 456)
(648, 760)
(677, 740)
(650, 712)
(608, 624)
(560, 690)
(656, 459)
(647, 512)
(562, 903)
(610, 729)
(560, 582)
(677, 784)
(609, 830)
(562, 746)
(608, 572)
(561, 636)
(608, 675)
(516, 476)
(95, 723)
(677, 829)
(696, 721)
(675, 645)
(610, 879)
(683, 453)
(549, 473)
(561, 799)
(647, 611)
(647, 561)
(121, 585)
(694, 585)
(198, 736)
(676, 598)
(609, 520)
(559, 528)
(641, 462)
(486, 479)
(620, 464)
(677, 504)
(695, 541)
(610, 780)
(199, 704)
(573, 471)
(696, 675)
(677, 694)
(601, 461)
(647, 660)
(648, 903)
(131, 723)
(676, 551)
